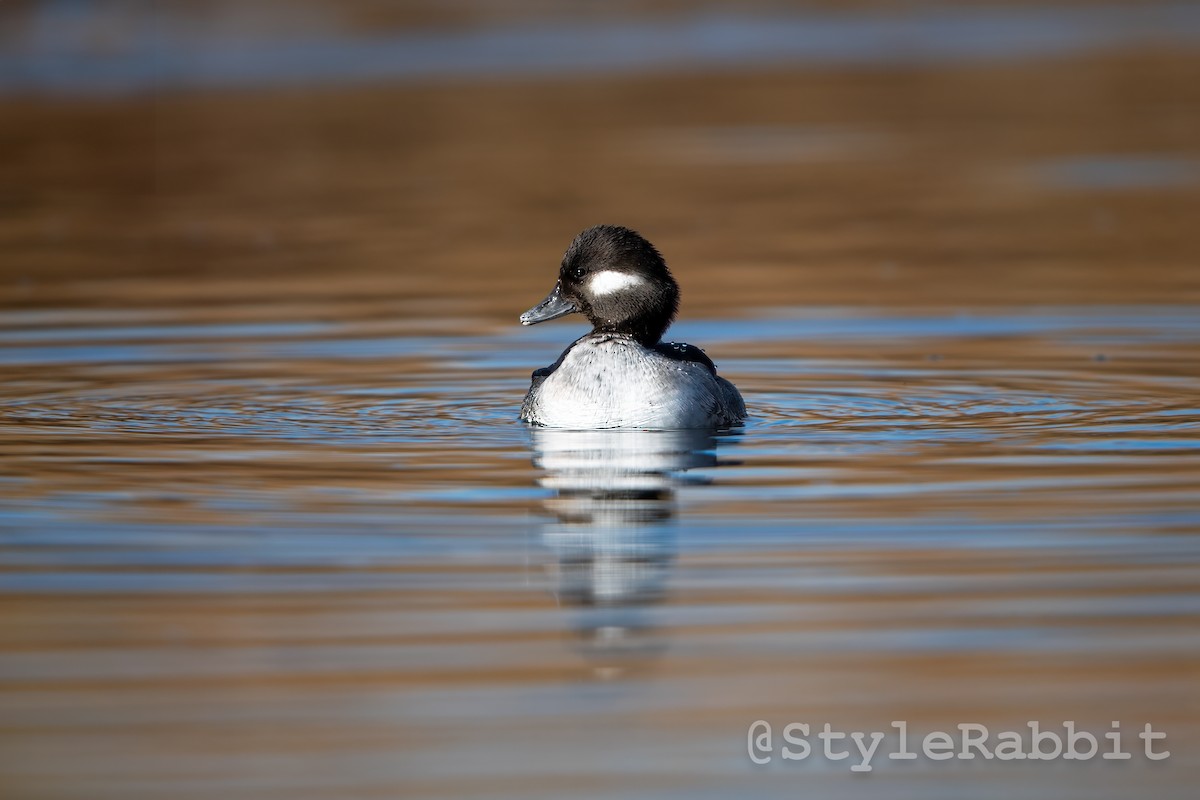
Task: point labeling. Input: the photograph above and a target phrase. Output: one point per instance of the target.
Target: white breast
(616, 383)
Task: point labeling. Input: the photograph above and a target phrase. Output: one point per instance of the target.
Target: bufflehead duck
(622, 375)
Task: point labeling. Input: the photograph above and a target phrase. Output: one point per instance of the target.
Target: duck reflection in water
(613, 538)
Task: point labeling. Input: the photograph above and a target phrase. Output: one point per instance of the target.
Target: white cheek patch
(610, 282)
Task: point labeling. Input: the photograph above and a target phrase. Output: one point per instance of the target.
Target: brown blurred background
(258, 155)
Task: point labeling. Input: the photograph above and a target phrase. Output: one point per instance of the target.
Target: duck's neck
(646, 332)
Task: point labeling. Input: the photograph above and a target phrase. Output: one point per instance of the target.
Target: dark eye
(577, 273)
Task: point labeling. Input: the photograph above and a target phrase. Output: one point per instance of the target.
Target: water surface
(991, 516)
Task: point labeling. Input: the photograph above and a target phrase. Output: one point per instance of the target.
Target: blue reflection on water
(1113, 172)
(431, 434)
(510, 348)
(61, 51)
